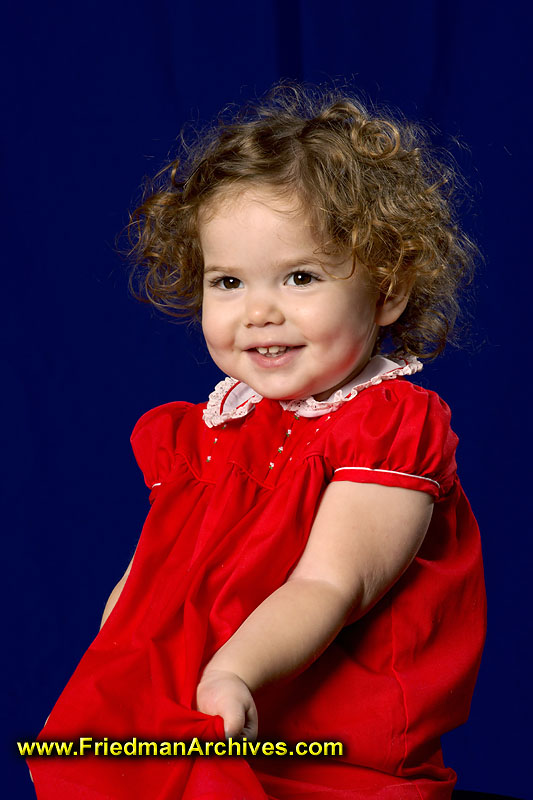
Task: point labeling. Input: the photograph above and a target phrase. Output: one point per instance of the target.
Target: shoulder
(397, 402)
(396, 427)
(154, 438)
(168, 413)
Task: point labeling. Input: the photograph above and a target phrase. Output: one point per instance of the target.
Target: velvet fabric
(232, 508)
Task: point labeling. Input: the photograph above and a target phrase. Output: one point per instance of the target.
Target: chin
(287, 395)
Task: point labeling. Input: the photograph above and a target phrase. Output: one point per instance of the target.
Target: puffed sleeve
(396, 435)
(154, 442)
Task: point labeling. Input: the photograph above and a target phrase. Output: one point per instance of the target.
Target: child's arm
(115, 594)
(363, 538)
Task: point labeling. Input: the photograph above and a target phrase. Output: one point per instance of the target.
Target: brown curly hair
(367, 180)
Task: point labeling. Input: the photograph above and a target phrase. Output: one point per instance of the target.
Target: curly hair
(368, 182)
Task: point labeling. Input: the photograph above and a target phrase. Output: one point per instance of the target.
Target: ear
(389, 310)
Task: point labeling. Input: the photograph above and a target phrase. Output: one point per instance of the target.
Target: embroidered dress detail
(232, 399)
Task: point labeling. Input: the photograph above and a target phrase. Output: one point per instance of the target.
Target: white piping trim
(155, 484)
(393, 472)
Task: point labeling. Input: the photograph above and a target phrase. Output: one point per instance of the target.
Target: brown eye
(300, 279)
(227, 282)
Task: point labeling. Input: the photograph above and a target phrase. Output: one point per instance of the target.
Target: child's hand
(224, 693)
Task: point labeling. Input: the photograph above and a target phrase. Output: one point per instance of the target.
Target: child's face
(265, 286)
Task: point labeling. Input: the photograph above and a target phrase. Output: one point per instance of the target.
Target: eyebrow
(291, 263)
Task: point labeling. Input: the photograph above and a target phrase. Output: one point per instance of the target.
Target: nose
(262, 308)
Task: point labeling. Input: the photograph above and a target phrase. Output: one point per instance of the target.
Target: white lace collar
(232, 399)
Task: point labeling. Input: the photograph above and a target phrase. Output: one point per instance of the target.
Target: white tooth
(273, 350)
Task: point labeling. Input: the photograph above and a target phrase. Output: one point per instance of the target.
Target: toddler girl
(310, 569)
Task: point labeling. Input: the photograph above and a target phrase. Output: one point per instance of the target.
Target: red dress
(233, 500)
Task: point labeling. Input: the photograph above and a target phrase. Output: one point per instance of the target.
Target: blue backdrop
(96, 94)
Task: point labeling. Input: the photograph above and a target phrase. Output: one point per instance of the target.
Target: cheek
(205, 323)
(209, 326)
(318, 320)
(326, 324)
(343, 337)
(216, 327)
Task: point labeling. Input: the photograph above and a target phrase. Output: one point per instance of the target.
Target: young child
(310, 569)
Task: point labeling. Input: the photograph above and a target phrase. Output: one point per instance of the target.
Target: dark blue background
(95, 96)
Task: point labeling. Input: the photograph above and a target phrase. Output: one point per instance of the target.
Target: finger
(234, 721)
(251, 722)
